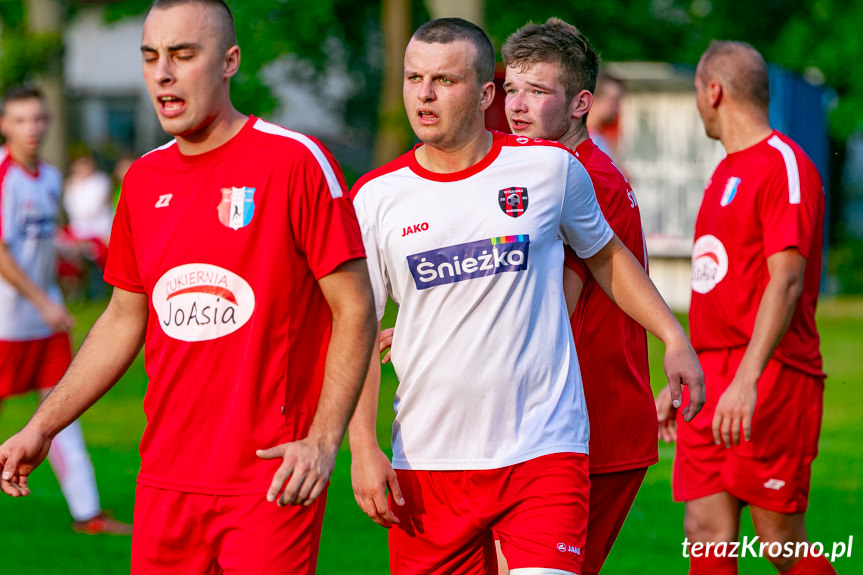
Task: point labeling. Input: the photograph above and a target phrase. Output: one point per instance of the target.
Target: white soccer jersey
(483, 350)
(28, 226)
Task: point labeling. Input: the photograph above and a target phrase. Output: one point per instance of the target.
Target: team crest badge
(730, 191)
(237, 207)
(513, 201)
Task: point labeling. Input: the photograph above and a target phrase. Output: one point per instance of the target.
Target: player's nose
(426, 91)
(515, 103)
(162, 72)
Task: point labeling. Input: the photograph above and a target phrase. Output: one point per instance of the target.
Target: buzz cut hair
(19, 94)
(224, 25)
(449, 30)
(555, 42)
(741, 70)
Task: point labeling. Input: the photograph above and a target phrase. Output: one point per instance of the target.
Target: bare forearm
(346, 366)
(15, 276)
(362, 431)
(106, 354)
(771, 322)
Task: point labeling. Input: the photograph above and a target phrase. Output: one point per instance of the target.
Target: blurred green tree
(819, 39)
(23, 54)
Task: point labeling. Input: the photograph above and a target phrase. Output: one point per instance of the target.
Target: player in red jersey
(238, 263)
(460, 478)
(35, 348)
(755, 281)
(551, 72)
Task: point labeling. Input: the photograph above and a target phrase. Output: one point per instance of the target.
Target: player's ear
(715, 93)
(486, 95)
(580, 105)
(232, 61)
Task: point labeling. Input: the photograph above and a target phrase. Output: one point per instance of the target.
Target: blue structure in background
(799, 110)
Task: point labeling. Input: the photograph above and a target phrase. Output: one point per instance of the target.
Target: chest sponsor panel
(201, 302)
(709, 263)
(470, 260)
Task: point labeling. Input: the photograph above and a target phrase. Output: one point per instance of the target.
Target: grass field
(35, 534)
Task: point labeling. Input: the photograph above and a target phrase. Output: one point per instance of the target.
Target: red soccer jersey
(611, 346)
(760, 201)
(227, 246)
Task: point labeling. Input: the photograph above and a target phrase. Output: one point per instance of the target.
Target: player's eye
(445, 81)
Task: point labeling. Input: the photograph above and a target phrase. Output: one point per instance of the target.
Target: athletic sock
(812, 566)
(71, 464)
(712, 565)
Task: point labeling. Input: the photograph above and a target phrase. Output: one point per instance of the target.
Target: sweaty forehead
(454, 58)
(545, 73)
(190, 23)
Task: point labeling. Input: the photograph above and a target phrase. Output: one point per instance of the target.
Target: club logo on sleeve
(709, 263)
(513, 201)
(730, 191)
(200, 302)
(237, 207)
(468, 261)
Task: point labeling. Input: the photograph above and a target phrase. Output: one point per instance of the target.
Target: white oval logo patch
(709, 263)
(200, 302)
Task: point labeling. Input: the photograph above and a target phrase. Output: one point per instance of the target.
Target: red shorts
(183, 533)
(537, 508)
(611, 497)
(770, 471)
(31, 365)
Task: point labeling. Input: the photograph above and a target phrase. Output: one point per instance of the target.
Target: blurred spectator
(87, 200)
(604, 114)
(35, 347)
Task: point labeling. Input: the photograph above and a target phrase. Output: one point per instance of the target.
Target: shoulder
(540, 154)
(299, 150)
(281, 137)
(791, 168)
(603, 171)
(379, 174)
(5, 163)
(51, 173)
(512, 140)
(163, 153)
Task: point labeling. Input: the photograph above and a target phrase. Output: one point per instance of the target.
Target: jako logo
(461, 262)
(415, 229)
(200, 302)
(563, 548)
(775, 484)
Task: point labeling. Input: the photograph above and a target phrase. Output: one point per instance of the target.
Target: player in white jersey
(35, 347)
(464, 233)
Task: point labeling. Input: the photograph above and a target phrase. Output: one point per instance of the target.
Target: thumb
(271, 453)
(10, 467)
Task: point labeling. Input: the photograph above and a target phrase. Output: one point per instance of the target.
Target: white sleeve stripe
(329, 173)
(790, 168)
(162, 147)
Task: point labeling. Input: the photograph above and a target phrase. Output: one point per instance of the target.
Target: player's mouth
(427, 117)
(171, 106)
(518, 125)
